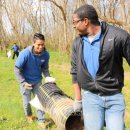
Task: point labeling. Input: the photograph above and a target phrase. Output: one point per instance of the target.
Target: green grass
(11, 110)
(126, 66)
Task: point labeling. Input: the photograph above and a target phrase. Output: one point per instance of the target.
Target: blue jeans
(99, 109)
(26, 96)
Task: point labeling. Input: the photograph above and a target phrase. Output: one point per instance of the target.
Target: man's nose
(41, 46)
(74, 26)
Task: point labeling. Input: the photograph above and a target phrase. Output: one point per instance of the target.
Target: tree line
(20, 19)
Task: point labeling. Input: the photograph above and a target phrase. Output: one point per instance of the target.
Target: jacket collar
(31, 50)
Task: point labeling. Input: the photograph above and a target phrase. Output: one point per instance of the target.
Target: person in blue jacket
(31, 63)
(15, 48)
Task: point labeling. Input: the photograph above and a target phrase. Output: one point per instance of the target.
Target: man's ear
(86, 20)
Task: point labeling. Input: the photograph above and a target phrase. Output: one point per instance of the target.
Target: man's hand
(49, 80)
(77, 105)
(28, 86)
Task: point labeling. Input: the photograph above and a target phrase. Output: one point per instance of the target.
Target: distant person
(97, 70)
(31, 63)
(15, 48)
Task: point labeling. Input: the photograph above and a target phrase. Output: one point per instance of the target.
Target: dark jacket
(115, 44)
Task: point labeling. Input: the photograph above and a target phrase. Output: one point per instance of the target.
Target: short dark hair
(38, 36)
(87, 11)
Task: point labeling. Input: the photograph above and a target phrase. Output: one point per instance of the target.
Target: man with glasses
(97, 70)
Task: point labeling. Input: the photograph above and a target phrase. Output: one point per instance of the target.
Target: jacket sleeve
(45, 67)
(20, 62)
(45, 70)
(74, 63)
(19, 75)
(126, 48)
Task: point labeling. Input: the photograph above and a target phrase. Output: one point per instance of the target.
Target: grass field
(11, 110)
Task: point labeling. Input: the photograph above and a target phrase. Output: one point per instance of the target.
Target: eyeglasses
(76, 22)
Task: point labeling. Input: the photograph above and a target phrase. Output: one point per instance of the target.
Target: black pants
(15, 53)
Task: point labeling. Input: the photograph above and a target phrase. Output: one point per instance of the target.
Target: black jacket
(115, 44)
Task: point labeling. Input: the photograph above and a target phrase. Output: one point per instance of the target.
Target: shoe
(30, 118)
(42, 126)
